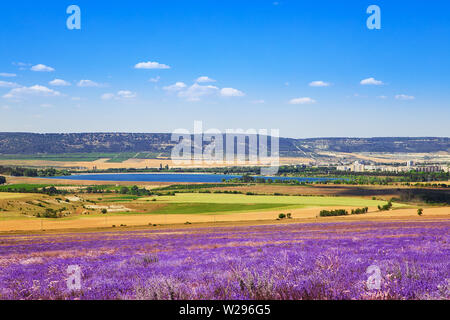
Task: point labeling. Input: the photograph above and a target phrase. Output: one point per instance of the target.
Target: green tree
(2, 180)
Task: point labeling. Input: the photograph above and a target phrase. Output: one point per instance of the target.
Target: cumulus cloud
(59, 83)
(196, 91)
(7, 84)
(231, 92)
(42, 68)
(36, 90)
(151, 65)
(126, 94)
(175, 87)
(404, 97)
(155, 80)
(122, 94)
(319, 84)
(8, 75)
(371, 81)
(303, 100)
(88, 83)
(204, 79)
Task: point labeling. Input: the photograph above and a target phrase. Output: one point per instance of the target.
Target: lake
(172, 177)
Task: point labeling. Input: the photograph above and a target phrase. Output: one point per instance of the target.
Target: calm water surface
(172, 177)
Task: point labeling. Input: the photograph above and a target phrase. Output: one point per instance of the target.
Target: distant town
(361, 166)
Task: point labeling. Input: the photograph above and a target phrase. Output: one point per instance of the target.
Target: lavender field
(292, 261)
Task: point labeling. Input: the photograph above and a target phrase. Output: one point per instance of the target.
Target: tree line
(31, 172)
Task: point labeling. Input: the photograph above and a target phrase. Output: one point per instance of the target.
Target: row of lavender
(364, 260)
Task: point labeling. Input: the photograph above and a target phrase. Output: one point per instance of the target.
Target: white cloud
(382, 97)
(126, 94)
(231, 92)
(155, 80)
(175, 87)
(371, 81)
(304, 100)
(76, 98)
(196, 91)
(46, 105)
(8, 75)
(319, 84)
(258, 101)
(122, 94)
(5, 107)
(88, 83)
(59, 83)
(36, 90)
(204, 79)
(6, 84)
(42, 68)
(404, 97)
(21, 65)
(151, 65)
(107, 96)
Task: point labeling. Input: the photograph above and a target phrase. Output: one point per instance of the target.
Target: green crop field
(301, 201)
(202, 208)
(22, 187)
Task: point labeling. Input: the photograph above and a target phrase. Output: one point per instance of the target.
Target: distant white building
(357, 167)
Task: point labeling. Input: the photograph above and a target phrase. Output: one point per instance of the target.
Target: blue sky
(308, 68)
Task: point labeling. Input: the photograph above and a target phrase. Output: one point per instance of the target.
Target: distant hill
(32, 143)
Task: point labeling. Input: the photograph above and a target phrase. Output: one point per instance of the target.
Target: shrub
(360, 210)
(281, 216)
(2, 180)
(420, 211)
(333, 213)
(49, 213)
(104, 211)
(386, 207)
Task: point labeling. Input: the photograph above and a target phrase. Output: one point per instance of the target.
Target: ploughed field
(284, 261)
